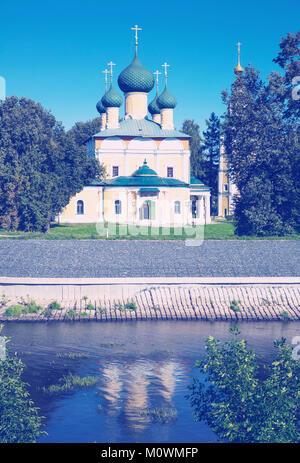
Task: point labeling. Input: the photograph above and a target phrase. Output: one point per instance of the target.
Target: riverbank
(231, 302)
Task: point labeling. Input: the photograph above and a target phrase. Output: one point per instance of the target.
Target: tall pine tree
(211, 152)
(196, 160)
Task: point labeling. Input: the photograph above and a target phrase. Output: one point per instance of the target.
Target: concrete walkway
(117, 259)
(132, 280)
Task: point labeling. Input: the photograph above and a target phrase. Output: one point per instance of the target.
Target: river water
(140, 366)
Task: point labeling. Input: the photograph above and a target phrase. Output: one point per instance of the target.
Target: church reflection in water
(129, 389)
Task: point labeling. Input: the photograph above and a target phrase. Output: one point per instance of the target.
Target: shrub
(235, 305)
(55, 306)
(240, 403)
(130, 306)
(14, 310)
(70, 314)
(19, 419)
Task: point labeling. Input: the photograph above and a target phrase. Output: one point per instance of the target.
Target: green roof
(100, 108)
(149, 190)
(145, 181)
(111, 99)
(197, 185)
(166, 100)
(144, 170)
(136, 78)
(148, 179)
(153, 106)
(140, 128)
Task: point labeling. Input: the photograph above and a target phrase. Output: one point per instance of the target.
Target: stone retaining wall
(178, 302)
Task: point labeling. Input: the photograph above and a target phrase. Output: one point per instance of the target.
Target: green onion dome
(153, 107)
(166, 100)
(100, 108)
(111, 99)
(136, 78)
(144, 170)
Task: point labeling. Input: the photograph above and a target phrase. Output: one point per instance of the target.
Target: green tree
(262, 149)
(284, 86)
(19, 418)
(241, 400)
(196, 160)
(41, 166)
(82, 131)
(286, 94)
(211, 152)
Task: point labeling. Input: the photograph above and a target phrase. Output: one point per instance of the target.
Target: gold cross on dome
(136, 29)
(239, 52)
(165, 65)
(111, 64)
(105, 72)
(157, 74)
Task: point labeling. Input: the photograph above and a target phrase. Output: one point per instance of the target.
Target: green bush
(130, 306)
(19, 419)
(14, 310)
(55, 306)
(241, 400)
(33, 307)
(70, 314)
(235, 305)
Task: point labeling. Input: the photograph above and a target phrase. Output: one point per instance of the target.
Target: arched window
(177, 207)
(118, 207)
(80, 207)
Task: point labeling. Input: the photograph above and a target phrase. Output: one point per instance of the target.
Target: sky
(53, 51)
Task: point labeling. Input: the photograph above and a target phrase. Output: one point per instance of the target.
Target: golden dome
(238, 69)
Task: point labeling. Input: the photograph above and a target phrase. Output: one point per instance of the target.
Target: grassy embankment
(215, 231)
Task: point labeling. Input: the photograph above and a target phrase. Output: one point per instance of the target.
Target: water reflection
(139, 377)
(130, 389)
(111, 387)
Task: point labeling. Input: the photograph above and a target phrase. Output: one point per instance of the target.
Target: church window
(225, 187)
(118, 207)
(115, 171)
(80, 207)
(177, 207)
(170, 172)
(148, 210)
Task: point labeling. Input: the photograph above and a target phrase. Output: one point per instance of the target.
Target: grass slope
(217, 231)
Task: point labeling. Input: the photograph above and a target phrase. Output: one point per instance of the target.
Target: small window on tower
(170, 172)
(225, 187)
(115, 171)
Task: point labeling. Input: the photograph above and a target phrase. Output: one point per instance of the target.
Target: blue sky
(54, 51)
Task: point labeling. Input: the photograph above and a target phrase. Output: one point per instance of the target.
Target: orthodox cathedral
(147, 161)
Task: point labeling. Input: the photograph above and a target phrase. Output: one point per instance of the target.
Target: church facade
(147, 161)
